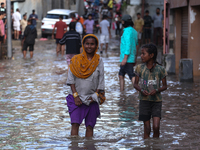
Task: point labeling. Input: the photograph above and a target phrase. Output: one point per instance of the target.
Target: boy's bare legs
(133, 80)
(156, 127)
(31, 54)
(121, 82)
(147, 129)
(106, 48)
(17, 35)
(63, 50)
(101, 47)
(58, 49)
(89, 131)
(75, 129)
(24, 53)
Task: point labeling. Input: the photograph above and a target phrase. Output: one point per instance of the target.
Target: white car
(52, 17)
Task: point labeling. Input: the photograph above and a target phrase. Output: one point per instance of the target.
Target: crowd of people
(86, 67)
(22, 28)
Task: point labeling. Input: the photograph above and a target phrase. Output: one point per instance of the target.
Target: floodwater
(34, 115)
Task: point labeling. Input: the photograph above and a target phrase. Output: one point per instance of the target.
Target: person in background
(16, 23)
(5, 25)
(110, 4)
(89, 25)
(147, 27)
(61, 29)
(30, 34)
(104, 10)
(34, 18)
(128, 51)
(138, 25)
(105, 34)
(110, 16)
(157, 24)
(79, 27)
(23, 26)
(2, 28)
(73, 16)
(2, 9)
(118, 30)
(73, 42)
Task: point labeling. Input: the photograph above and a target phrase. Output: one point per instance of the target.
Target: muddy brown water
(34, 115)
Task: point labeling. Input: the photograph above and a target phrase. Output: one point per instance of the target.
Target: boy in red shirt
(61, 29)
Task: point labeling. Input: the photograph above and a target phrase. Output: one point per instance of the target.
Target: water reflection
(34, 115)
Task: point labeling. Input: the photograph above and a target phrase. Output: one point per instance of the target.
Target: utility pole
(80, 7)
(9, 35)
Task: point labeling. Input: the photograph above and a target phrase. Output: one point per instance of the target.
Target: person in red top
(61, 29)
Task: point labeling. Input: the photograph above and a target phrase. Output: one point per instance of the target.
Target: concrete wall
(28, 6)
(194, 38)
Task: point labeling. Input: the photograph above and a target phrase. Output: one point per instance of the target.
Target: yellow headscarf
(80, 66)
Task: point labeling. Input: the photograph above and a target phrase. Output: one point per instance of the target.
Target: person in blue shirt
(33, 17)
(128, 50)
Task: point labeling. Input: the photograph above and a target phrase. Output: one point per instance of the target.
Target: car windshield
(56, 16)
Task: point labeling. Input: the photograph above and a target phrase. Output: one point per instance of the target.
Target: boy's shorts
(57, 41)
(17, 28)
(69, 57)
(139, 36)
(149, 109)
(78, 113)
(127, 68)
(147, 33)
(1, 38)
(104, 39)
(25, 46)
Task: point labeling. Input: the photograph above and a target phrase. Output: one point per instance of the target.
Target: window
(56, 16)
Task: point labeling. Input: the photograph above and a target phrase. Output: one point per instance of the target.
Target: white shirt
(16, 17)
(104, 24)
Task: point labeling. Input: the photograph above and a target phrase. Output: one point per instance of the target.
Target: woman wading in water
(86, 79)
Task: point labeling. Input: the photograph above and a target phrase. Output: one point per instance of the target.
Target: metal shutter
(184, 32)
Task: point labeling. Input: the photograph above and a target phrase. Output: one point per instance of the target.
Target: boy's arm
(35, 33)
(53, 31)
(0, 31)
(26, 32)
(109, 30)
(142, 25)
(63, 40)
(127, 48)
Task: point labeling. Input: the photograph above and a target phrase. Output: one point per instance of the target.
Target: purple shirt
(89, 26)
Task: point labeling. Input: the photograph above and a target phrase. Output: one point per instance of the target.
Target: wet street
(34, 114)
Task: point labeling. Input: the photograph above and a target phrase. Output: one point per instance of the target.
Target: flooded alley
(34, 114)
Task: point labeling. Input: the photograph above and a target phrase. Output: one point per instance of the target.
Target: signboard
(135, 2)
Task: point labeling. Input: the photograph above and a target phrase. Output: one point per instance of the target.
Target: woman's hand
(77, 101)
(91, 100)
(145, 93)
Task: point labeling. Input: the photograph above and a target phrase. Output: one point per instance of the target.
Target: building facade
(184, 16)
